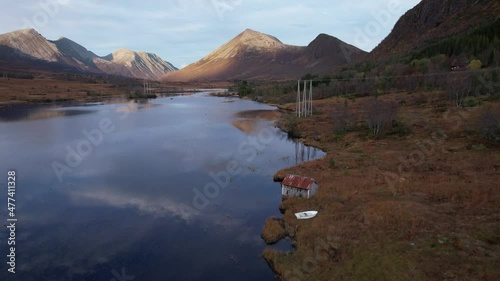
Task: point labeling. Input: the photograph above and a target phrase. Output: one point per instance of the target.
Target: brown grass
(438, 220)
(49, 90)
(273, 231)
(44, 89)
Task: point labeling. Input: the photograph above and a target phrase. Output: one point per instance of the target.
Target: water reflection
(251, 121)
(30, 113)
(135, 105)
(304, 153)
(259, 114)
(129, 204)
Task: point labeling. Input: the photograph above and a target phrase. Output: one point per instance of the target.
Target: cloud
(156, 206)
(185, 31)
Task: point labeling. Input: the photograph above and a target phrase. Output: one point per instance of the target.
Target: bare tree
(459, 87)
(380, 116)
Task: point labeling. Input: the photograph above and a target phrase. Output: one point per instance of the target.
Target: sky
(184, 31)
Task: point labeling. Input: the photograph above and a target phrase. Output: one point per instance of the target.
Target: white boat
(306, 215)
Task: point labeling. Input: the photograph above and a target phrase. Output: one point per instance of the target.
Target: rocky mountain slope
(432, 20)
(30, 43)
(28, 49)
(136, 64)
(74, 50)
(254, 55)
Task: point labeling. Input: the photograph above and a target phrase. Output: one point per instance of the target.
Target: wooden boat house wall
(297, 186)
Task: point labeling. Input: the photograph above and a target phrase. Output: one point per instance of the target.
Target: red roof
(298, 182)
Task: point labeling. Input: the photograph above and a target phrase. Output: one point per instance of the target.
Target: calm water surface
(140, 201)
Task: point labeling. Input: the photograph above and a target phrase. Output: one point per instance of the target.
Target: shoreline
(389, 223)
(47, 90)
(381, 214)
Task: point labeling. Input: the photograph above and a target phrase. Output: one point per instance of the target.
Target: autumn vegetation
(413, 203)
(409, 187)
(413, 191)
(273, 231)
(37, 87)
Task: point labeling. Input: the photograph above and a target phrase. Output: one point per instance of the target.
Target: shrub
(380, 116)
(400, 128)
(290, 125)
(244, 89)
(475, 64)
(472, 102)
(458, 87)
(479, 147)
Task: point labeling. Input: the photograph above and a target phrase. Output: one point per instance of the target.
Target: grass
(273, 231)
(489, 234)
(434, 220)
(290, 124)
(94, 94)
(45, 90)
(338, 136)
(382, 261)
(400, 129)
(479, 147)
(356, 150)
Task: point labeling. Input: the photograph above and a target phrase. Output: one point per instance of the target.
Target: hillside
(254, 55)
(431, 21)
(420, 204)
(418, 201)
(27, 50)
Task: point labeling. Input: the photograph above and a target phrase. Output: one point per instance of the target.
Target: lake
(168, 189)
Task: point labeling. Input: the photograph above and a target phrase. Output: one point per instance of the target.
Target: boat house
(297, 186)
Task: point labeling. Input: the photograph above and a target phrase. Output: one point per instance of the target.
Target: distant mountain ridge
(74, 50)
(255, 55)
(28, 48)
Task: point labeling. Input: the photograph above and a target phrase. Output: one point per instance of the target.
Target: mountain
(254, 55)
(135, 64)
(30, 43)
(327, 52)
(431, 21)
(74, 50)
(28, 50)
